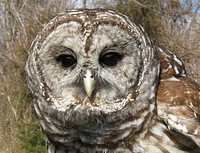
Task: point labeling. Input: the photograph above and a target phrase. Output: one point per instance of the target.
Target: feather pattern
(140, 100)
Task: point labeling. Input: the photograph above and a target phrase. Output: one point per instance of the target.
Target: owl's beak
(89, 82)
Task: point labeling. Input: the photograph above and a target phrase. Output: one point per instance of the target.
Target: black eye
(66, 60)
(110, 58)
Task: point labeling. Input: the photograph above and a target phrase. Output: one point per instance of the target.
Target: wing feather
(178, 98)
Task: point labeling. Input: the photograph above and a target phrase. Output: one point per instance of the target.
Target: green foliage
(31, 138)
(29, 135)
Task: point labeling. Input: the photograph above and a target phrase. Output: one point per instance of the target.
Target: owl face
(93, 66)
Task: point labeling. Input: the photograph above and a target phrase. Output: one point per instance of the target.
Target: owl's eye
(66, 60)
(110, 58)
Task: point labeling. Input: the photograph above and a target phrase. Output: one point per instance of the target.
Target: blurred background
(172, 24)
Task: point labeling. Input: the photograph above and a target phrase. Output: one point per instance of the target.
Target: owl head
(95, 69)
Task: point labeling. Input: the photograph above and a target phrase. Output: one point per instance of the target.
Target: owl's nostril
(90, 76)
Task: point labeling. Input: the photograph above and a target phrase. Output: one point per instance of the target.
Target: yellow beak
(89, 82)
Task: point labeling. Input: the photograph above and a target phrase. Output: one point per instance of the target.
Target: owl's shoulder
(178, 99)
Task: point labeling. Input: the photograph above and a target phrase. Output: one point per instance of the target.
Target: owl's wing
(178, 98)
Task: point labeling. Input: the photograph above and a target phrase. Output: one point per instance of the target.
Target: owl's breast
(94, 125)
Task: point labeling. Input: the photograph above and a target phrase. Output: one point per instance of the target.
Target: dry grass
(20, 21)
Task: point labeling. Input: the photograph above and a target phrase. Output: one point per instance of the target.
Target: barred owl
(103, 86)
